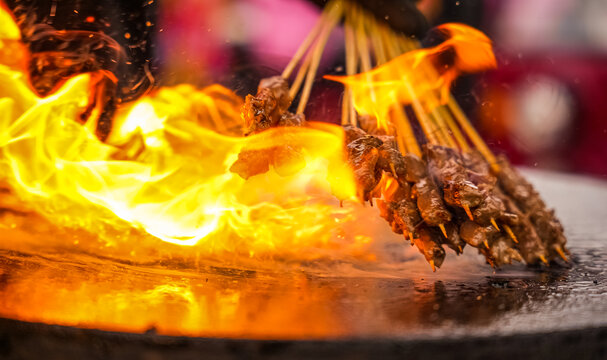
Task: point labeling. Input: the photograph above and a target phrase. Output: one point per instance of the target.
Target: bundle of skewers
(431, 175)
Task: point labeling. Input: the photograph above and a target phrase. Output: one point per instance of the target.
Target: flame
(407, 78)
(164, 167)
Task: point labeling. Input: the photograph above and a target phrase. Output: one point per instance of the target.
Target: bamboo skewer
(334, 15)
(301, 74)
(348, 111)
(286, 73)
(463, 121)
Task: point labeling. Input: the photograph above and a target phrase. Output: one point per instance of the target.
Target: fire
(408, 78)
(164, 167)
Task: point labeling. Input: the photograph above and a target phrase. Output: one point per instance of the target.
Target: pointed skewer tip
(432, 264)
(561, 253)
(494, 223)
(444, 231)
(486, 244)
(468, 212)
(511, 233)
(543, 258)
(393, 170)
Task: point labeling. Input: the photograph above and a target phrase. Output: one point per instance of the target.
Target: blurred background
(545, 105)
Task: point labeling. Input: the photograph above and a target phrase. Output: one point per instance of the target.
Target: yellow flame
(164, 168)
(406, 78)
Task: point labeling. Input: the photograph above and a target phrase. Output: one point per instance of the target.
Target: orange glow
(406, 78)
(164, 168)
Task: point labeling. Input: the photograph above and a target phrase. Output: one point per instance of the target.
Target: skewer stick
(543, 258)
(473, 134)
(405, 138)
(305, 45)
(495, 224)
(439, 114)
(334, 15)
(510, 233)
(561, 253)
(457, 134)
(443, 230)
(468, 212)
(348, 114)
(301, 74)
(445, 115)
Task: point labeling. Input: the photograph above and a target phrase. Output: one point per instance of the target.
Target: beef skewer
(417, 193)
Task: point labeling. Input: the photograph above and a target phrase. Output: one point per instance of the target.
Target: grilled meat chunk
(430, 204)
(265, 109)
(447, 167)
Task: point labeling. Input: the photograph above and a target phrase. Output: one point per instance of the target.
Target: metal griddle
(465, 310)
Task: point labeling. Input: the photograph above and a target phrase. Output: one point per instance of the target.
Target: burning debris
(445, 188)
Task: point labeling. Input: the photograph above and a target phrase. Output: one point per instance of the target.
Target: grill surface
(464, 310)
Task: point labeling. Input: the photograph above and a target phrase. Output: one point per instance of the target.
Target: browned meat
(453, 239)
(368, 124)
(530, 245)
(429, 247)
(352, 133)
(547, 226)
(446, 166)
(251, 163)
(390, 159)
(430, 204)
(490, 208)
(290, 119)
(416, 168)
(501, 251)
(363, 154)
(473, 234)
(402, 216)
(260, 112)
(287, 160)
(265, 109)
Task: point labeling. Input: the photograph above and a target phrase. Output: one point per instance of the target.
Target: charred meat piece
(547, 226)
(363, 154)
(290, 119)
(446, 166)
(453, 239)
(530, 245)
(402, 216)
(416, 168)
(390, 159)
(430, 203)
(490, 208)
(501, 251)
(265, 109)
(474, 234)
(369, 125)
(251, 163)
(352, 133)
(429, 247)
(260, 112)
(286, 160)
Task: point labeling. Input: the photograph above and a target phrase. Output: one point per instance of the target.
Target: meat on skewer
(446, 166)
(548, 227)
(265, 110)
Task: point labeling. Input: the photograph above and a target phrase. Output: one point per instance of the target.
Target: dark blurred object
(400, 15)
(548, 110)
(110, 35)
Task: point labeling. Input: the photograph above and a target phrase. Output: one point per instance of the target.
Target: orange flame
(406, 78)
(164, 168)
